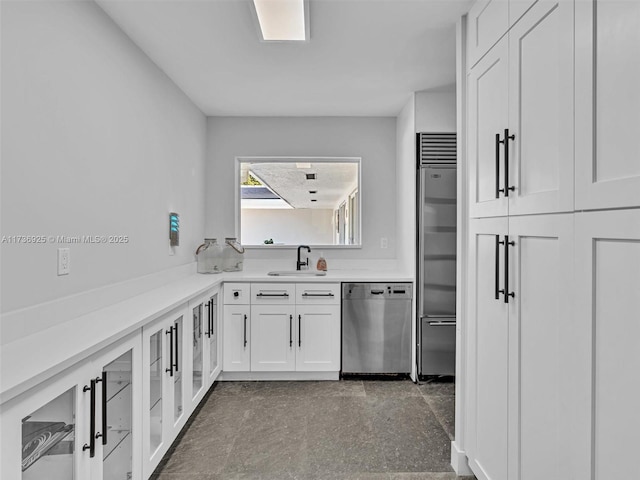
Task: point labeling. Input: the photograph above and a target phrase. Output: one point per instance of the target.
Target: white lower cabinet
(84, 424)
(523, 340)
(318, 333)
(285, 328)
(203, 350)
(164, 373)
(236, 352)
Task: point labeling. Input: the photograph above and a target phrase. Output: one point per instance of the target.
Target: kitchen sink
(297, 273)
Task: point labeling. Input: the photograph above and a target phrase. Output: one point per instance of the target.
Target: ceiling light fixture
(283, 20)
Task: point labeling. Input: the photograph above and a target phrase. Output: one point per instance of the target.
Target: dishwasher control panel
(376, 290)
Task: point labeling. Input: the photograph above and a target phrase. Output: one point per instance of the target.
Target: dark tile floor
(351, 429)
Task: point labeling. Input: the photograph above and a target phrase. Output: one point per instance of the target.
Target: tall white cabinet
(554, 265)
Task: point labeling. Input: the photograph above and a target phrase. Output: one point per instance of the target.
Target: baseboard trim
(271, 376)
(459, 461)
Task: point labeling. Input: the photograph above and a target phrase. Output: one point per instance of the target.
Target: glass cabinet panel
(48, 440)
(118, 451)
(213, 338)
(197, 349)
(179, 366)
(155, 390)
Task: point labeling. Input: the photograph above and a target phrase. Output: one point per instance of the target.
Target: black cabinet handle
(177, 343)
(497, 265)
(318, 294)
(506, 291)
(208, 307)
(505, 142)
(498, 142)
(104, 407)
(92, 420)
(211, 318)
(290, 331)
(245, 330)
(285, 294)
(170, 369)
(299, 331)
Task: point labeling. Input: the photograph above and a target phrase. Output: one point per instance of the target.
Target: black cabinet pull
(92, 420)
(177, 343)
(245, 330)
(506, 291)
(498, 142)
(208, 307)
(211, 318)
(497, 265)
(285, 294)
(170, 369)
(299, 331)
(505, 142)
(104, 407)
(318, 294)
(290, 331)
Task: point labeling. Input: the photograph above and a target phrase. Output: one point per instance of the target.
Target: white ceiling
(364, 58)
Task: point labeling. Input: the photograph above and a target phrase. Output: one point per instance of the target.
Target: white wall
(372, 139)
(436, 110)
(311, 226)
(96, 140)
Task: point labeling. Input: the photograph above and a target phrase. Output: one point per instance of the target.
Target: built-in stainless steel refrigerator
(436, 258)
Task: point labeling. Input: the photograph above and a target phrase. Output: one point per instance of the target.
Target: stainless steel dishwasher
(376, 327)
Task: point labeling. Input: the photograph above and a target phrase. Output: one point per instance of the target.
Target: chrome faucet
(300, 264)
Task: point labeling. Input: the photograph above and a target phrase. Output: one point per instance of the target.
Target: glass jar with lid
(232, 255)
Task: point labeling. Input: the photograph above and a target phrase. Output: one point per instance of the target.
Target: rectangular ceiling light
(282, 20)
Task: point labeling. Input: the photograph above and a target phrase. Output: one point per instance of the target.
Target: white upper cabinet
(607, 80)
(520, 113)
(488, 21)
(540, 155)
(488, 117)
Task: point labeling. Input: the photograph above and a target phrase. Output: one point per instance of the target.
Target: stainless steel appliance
(436, 269)
(376, 327)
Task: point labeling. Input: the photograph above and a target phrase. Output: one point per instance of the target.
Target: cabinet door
(608, 285)
(541, 110)
(488, 115)
(607, 104)
(164, 407)
(236, 338)
(213, 342)
(118, 414)
(544, 340)
(488, 359)
(44, 431)
(318, 340)
(198, 330)
(488, 20)
(272, 331)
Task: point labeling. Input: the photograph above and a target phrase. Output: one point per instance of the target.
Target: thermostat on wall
(174, 229)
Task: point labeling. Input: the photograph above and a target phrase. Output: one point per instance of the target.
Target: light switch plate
(384, 243)
(64, 261)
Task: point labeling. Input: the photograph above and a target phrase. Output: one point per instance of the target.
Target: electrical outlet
(64, 261)
(384, 243)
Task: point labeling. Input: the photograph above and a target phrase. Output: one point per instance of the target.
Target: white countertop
(29, 360)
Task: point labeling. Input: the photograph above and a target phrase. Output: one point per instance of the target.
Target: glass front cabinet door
(81, 424)
(205, 344)
(166, 368)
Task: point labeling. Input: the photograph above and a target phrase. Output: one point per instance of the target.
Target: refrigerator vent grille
(437, 148)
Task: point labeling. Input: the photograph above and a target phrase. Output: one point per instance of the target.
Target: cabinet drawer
(318, 293)
(273, 293)
(237, 293)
